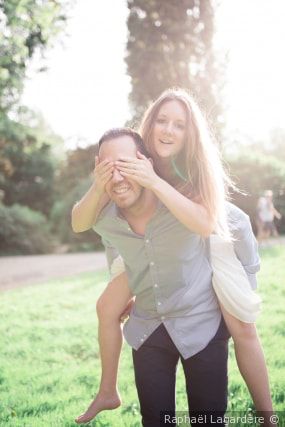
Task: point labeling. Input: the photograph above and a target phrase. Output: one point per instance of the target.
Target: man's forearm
(86, 211)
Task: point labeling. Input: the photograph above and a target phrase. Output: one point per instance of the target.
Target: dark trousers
(155, 364)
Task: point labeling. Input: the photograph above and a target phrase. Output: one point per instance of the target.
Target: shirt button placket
(153, 274)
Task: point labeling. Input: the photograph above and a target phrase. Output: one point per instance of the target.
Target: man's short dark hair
(118, 132)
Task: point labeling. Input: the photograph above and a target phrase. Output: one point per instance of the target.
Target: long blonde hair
(199, 160)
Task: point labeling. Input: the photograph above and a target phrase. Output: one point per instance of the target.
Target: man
(176, 314)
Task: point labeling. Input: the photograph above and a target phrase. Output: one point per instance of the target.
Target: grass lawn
(49, 366)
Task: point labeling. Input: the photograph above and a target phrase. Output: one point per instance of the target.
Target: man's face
(124, 192)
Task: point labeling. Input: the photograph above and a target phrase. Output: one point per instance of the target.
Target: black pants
(155, 364)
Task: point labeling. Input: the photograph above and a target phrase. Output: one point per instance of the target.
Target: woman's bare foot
(100, 403)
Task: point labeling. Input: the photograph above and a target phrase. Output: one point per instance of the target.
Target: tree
(255, 172)
(73, 180)
(274, 144)
(23, 231)
(78, 165)
(27, 167)
(27, 27)
(27, 146)
(170, 43)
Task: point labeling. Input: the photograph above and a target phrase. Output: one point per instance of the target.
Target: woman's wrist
(158, 185)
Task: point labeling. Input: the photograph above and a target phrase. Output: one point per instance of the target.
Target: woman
(189, 179)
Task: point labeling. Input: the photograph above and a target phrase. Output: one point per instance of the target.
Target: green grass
(49, 365)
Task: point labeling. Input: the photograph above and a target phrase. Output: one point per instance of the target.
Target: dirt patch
(19, 271)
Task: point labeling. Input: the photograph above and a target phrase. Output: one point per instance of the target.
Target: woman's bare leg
(110, 306)
(251, 363)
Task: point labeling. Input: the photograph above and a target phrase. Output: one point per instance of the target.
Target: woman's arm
(86, 211)
(193, 215)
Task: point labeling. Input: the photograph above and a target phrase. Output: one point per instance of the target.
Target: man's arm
(276, 213)
(86, 211)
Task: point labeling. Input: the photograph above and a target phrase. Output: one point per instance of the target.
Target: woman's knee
(108, 309)
(104, 308)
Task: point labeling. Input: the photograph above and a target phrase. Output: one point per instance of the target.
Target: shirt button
(159, 303)
(162, 318)
(147, 241)
(151, 263)
(156, 285)
(142, 339)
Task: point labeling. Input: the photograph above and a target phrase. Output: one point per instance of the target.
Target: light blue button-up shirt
(169, 273)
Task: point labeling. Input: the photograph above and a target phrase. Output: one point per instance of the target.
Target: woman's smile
(169, 129)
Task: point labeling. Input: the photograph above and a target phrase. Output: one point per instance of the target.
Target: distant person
(266, 213)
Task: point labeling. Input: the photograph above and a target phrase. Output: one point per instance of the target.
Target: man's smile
(121, 189)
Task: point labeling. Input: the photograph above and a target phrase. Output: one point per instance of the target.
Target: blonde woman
(188, 178)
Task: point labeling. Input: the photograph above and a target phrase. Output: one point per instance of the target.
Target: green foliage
(23, 231)
(255, 172)
(273, 145)
(170, 44)
(27, 161)
(27, 27)
(36, 125)
(50, 367)
(79, 163)
(27, 167)
(71, 184)
(60, 220)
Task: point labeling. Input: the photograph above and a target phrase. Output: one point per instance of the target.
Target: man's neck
(139, 214)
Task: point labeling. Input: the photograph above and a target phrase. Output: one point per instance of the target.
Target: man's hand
(125, 315)
(138, 169)
(102, 174)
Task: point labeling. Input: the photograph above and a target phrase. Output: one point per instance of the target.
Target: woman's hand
(126, 313)
(102, 173)
(139, 170)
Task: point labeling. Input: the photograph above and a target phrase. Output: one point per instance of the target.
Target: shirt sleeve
(115, 262)
(111, 253)
(245, 245)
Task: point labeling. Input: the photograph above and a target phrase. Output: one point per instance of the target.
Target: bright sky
(85, 90)
(253, 32)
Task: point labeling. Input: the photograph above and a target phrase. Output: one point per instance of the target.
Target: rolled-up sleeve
(111, 253)
(114, 260)
(245, 246)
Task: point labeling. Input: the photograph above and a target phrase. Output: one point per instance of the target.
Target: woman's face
(169, 131)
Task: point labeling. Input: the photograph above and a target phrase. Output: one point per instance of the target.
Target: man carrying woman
(158, 218)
